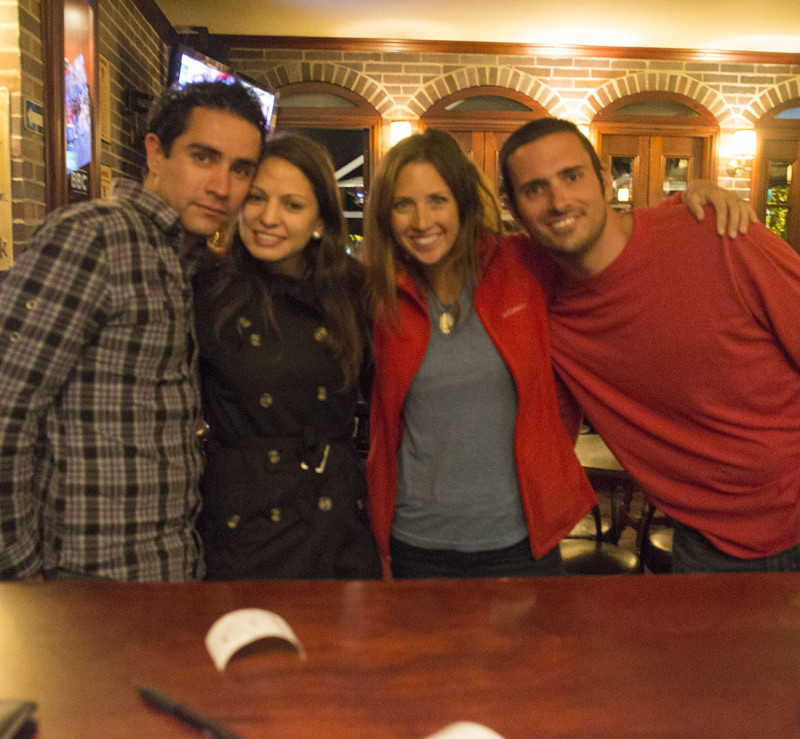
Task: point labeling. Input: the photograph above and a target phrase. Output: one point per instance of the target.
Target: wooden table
(701, 655)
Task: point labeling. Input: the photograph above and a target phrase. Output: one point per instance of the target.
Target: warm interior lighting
(623, 195)
(399, 130)
(744, 148)
(744, 142)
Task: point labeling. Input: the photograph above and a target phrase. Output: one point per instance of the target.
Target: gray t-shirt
(457, 478)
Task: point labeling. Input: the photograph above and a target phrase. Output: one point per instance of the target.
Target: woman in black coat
(283, 328)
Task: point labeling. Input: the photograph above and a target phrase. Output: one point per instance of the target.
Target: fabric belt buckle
(320, 468)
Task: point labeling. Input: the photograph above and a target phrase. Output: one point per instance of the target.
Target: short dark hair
(532, 131)
(170, 112)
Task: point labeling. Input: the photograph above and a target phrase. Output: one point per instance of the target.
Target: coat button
(265, 400)
(31, 304)
(320, 333)
(201, 429)
(360, 504)
(244, 322)
(255, 340)
(325, 503)
(274, 456)
(322, 393)
(233, 521)
(275, 515)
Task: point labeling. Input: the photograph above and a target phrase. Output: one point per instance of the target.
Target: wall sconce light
(744, 146)
(399, 130)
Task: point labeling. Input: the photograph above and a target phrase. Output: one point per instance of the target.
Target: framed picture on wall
(70, 55)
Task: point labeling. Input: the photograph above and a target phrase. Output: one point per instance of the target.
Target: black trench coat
(284, 491)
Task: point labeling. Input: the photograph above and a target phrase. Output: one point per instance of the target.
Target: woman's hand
(733, 213)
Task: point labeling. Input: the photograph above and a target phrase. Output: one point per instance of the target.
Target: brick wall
(402, 86)
(23, 73)
(137, 59)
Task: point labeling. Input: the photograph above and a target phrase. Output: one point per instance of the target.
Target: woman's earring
(316, 234)
(223, 237)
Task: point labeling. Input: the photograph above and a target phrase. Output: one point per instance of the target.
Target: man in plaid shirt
(99, 397)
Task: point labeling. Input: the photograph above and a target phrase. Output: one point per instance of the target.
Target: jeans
(410, 562)
(692, 552)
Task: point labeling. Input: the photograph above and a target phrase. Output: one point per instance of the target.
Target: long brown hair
(478, 211)
(338, 280)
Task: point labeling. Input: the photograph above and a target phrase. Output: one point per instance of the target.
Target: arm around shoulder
(734, 215)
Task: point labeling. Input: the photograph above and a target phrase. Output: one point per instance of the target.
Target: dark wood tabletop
(701, 655)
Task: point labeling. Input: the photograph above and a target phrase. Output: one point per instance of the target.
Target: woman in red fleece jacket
(471, 473)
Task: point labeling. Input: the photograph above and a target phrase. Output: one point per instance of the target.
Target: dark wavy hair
(338, 280)
(478, 211)
(169, 114)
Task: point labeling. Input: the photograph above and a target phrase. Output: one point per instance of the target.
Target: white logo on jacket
(514, 309)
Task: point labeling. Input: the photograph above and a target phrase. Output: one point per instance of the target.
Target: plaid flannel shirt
(99, 463)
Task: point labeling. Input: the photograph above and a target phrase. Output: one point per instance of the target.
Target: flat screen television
(189, 66)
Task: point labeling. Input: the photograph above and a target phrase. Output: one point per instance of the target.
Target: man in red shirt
(681, 346)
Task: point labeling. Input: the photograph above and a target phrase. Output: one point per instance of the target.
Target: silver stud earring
(316, 234)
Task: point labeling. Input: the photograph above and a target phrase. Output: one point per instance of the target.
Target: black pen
(163, 702)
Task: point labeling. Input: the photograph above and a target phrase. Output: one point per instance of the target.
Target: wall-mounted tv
(79, 80)
(189, 66)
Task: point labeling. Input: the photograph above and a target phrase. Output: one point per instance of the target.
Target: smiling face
(208, 169)
(560, 200)
(425, 220)
(280, 216)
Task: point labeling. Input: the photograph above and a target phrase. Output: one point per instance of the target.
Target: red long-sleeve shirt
(685, 355)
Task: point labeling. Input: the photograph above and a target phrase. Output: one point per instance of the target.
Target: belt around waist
(282, 451)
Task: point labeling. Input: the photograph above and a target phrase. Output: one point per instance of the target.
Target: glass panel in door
(646, 169)
(776, 216)
(778, 192)
(626, 157)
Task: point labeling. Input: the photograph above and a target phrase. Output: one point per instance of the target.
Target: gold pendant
(446, 322)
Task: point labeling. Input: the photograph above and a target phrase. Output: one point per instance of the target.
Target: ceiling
(732, 25)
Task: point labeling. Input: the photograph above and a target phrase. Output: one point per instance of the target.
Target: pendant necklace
(446, 312)
(446, 321)
(449, 314)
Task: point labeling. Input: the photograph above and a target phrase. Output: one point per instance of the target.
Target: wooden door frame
(704, 125)
(364, 115)
(768, 128)
(482, 121)
(53, 42)
(475, 120)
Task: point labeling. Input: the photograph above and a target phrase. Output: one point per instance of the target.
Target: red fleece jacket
(510, 305)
